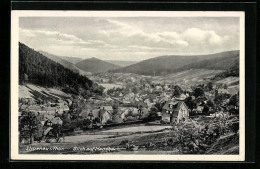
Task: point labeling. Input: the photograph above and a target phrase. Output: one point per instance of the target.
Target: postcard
(127, 85)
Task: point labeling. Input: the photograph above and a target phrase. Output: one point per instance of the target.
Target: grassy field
(27, 91)
(110, 86)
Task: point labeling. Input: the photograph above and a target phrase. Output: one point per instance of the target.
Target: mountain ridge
(95, 65)
(174, 63)
(61, 61)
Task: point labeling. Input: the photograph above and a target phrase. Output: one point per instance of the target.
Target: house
(49, 120)
(104, 113)
(223, 91)
(147, 101)
(166, 87)
(107, 108)
(143, 113)
(95, 113)
(174, 111)
(124, 112)
(147, 86)
(158, 88)
(64, 108)
(85, 113)
(104, 116)
(159, 114)
(199, 109)
(134, 111)
(163, 99)
(75, 102)
(149, 106)
(117, 119)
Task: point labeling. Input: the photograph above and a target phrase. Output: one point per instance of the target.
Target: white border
(14, 148)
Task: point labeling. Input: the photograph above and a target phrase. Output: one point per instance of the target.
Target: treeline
(37, 69)
(232, 71)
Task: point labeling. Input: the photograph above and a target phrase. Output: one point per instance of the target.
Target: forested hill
(176, 63)
(95, 65)
(61, 61)
(37, 69)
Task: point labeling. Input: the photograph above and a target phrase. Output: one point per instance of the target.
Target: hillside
(73, 60)
(95, 65)
(233, 71)
(176, 63)
(37, 69)
(61, 61)
(35, 92)
(121, 63)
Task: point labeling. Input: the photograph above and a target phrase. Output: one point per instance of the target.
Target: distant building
(104, 113)
(174, 111)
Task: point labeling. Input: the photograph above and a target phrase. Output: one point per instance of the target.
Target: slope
(61, 61)
(37, 69)
(73, 60)
(95, 65)
(176, 63)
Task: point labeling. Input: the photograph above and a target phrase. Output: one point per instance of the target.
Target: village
(129, 100)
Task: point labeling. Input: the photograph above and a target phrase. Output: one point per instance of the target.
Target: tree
(177, 91)
(152, 116)
(25, 77)
(86, 122)
(198, 92)
(190, 103)
(210, 86)
(28, 125)
(135, 89)
(205, 110)
(234, 100)
(210, 103)
(220, 98)
(96, 120)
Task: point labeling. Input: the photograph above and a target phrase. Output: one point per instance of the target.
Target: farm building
(174, 111)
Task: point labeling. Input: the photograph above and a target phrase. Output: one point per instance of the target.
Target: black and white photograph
(111, 85)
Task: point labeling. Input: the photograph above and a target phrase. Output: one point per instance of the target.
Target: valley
(151, 103)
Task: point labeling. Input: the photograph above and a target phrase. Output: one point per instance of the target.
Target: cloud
(128, 35)
(58, 38)
(196, 35)
(117, 38)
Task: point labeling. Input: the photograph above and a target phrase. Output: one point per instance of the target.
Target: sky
(129, 38)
